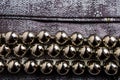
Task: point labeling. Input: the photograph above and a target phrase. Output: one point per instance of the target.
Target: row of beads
(61, 66)
(53, 50)
(60, 38)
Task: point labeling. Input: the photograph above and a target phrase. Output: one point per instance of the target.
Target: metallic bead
(69, 51)
(109, 41)
(85, 52)
(44, 37)
(94, 40)
(30, 66)
(46, 67)
(76, 39)
(78, 67)
(11, 38)
(62, 67)
(110, 68)
(20, 50)
(102, 53)
(13, 66)
(28, 37)
(116, 52)
(37, 50)
(53, 50)
(4, 50)
(61, 37)
(2, 66)
(94, 67)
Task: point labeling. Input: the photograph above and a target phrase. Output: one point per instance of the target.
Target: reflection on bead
(78, 67)
(44, 37)
(20, 50)
(62, 67)
(117, 52)
(37, 50)
(53, 50)
(85, 52)
(2, 66)
(94, 40)
(109, 41)
(111, 68)
(76, 39)
(13, 66)
(94, 67)
(69, 51)
(30, 66)
(46, 67)
(28, 37)
(102, 53)
(11, 38)
(61, 37)
(4, 51)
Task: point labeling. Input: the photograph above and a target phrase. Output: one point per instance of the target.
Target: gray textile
(59, 8)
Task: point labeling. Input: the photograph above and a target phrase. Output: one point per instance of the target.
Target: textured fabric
(59, 8)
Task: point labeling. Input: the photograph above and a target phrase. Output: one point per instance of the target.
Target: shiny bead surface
(44, 37)
(4, 51)
(13, 66)
(102, 53)
(85, 52)
(37, 50)
(116, 52)
(76, 39)
(11, 38)
(30, 66)
(46, 67)
(109, 41)
(20, 50)
(2, 66)
(28, 37)
(61, 37)
(78, 67)
(110, 68)
(62, 67)
(53, 50)
(69, 51)
(94, 67)
(94, 40)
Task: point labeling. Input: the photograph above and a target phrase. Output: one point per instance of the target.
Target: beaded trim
(60, 52)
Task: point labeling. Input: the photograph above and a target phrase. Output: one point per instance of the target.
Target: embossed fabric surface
(59, 8)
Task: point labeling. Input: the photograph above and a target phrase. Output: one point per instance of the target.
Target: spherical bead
(28, 37)
(110, 68)
(85, 52)
(94, 67)
(62, 67)
(2, 66)
(37, 50)
(13, 66)
(46, 67)
(116, 52)
(109, 41)
(78, 67)
(20, 50)
(61, 37)
(30, 66)
(76, 39)
(94, 40)
(102, 53)
(44, 37)
(4, 51)
(11, 38)
(53, 50)
(69, 51)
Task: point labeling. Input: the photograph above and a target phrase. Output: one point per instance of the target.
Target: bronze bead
(76, 39)
(37, 50)
(61, 37)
